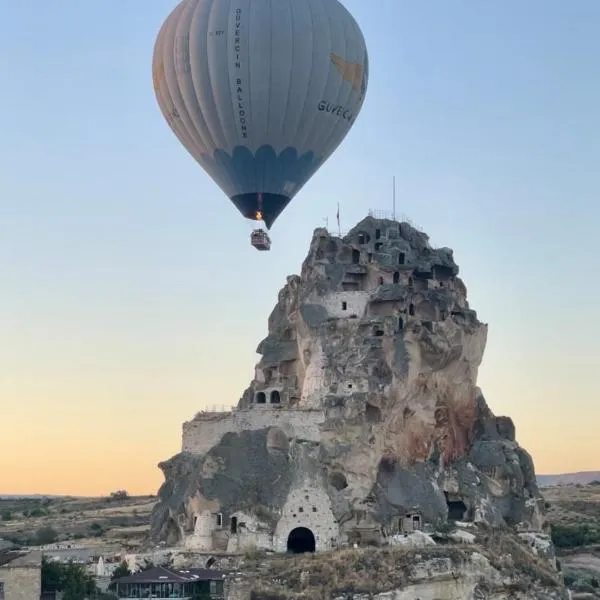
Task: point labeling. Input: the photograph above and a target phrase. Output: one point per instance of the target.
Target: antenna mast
(394, 199)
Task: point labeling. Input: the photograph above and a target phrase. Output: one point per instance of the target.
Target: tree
(7, 515)
(119, 495)
(71, 579)
(45, 535)
(121, 571)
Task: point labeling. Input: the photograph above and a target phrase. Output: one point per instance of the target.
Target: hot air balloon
(260, 93)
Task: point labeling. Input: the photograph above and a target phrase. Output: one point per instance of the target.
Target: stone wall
(207, 430)
(307, 506)
(342, 305)
(22, 578)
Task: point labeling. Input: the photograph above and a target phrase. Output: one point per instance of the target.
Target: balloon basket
(260, 240)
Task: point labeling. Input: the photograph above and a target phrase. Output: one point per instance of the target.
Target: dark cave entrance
(457, 509)
(301, 540)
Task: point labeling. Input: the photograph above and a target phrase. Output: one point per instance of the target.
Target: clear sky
(130, 297)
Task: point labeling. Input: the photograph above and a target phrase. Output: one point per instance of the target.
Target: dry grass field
(85, 521)
(574, 512)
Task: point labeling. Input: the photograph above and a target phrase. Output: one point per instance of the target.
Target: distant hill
(28, 496)
(583, 477)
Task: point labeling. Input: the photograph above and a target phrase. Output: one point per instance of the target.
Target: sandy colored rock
(364, 409)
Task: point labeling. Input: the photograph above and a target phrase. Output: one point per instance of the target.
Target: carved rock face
(366, 393)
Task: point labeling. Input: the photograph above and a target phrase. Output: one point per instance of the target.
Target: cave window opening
(301, 540)
(261, 398)
(195, 520)
(378, 234)
(456, 509)
(219, 519)
(400, 324)
(396, 277)
(210, 562)
(411, 310)
(378, 246)
(401, 258)
(344, 306)
(381, 281)
(275, 397)
(338, 481)
(355, 256)
(234, 524)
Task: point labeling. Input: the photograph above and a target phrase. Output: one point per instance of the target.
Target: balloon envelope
(260, 92)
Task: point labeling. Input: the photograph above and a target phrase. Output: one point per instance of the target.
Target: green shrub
(565, 536)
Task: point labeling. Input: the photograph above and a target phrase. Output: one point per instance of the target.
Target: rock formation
(364, 418)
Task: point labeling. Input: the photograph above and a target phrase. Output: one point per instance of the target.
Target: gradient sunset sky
(130, 297)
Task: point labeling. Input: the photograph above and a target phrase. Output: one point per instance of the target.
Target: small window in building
(261, 398)
(195, 520)
(314, 509)
(306, 497)
(379, 333)
(411, 310)
(396, 277)
(275, 397)
(400, 324)
(377, 234)
(301, 509)
(363, 238)
(219, 520)
(378, 246)
(349, 386)
(401, 258)
(370, 257)
(344, 306)
(355, 256)
(213, 588)
(381, 281)
(234, 524)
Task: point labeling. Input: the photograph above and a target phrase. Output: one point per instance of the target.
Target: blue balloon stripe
(263, 172)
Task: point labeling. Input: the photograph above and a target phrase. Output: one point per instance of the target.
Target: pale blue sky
(128, 286)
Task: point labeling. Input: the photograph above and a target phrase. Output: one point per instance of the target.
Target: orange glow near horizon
(82, 449)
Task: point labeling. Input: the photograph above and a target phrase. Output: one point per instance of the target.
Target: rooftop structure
(160, 582)
(20, 575)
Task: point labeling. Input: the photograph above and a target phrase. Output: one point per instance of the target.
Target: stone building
(364, 418)
(20, 575)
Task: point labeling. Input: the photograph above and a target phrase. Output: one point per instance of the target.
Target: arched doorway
(301, 540)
